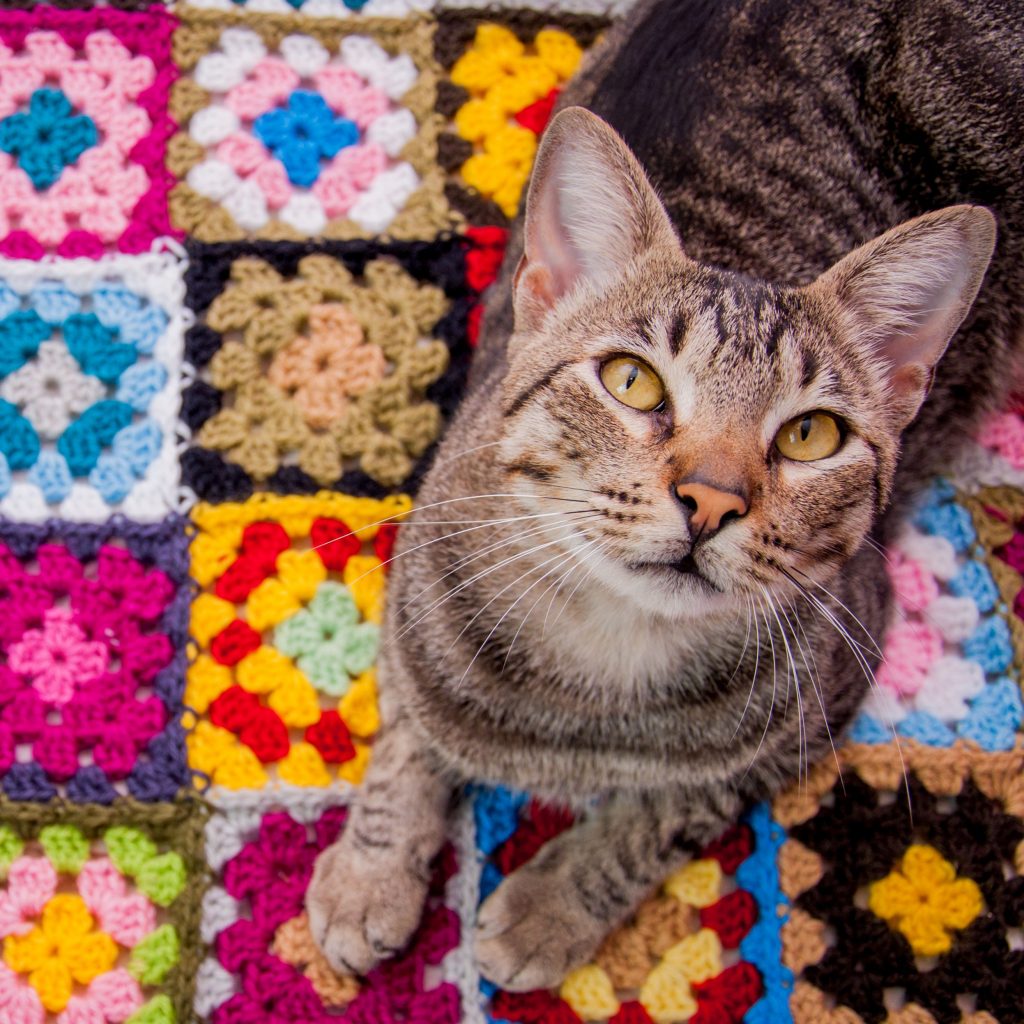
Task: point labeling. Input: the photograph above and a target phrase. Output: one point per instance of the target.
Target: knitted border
(146, 32)
(442, 262)
(159, 277)
(162, 546)
(177, 826)
(424, 213)
(456, 30)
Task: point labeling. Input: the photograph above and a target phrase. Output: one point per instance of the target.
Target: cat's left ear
(909, 290)
(590, 212)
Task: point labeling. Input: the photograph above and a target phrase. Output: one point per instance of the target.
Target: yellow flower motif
(504, 78)
(61, 950)
(925, 900)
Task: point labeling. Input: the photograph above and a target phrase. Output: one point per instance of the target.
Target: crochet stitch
(504, 73)
(92, 635)
(322, 366)
(282, 686)
(667, 964)
(99, 913)
(295, 128)
(263, 963)
(83, 126)
(90, 368)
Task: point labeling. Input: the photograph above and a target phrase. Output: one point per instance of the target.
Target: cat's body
(566, 641)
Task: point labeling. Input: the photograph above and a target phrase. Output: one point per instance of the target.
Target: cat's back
(782, 133)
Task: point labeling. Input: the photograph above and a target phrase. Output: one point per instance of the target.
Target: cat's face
(713, 437)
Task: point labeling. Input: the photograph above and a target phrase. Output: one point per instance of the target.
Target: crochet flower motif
(304, 136)
(925, 900)
(61, 950)
(304, 133)
(293, 943)
(58, 658)
(48, 138)
(327, 639)
(322, 371)
(51, 389)
(93, 188)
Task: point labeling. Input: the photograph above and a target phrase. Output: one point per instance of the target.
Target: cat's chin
(674, 590)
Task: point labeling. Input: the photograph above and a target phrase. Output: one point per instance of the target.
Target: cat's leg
(550, 916)
(366, 896)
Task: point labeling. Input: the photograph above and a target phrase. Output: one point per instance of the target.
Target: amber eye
(633, 383)
(812, 436)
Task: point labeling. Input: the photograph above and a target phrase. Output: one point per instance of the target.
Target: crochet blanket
(210, 365)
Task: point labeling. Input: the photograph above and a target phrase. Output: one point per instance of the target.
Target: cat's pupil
(633, 374)
(805, 428)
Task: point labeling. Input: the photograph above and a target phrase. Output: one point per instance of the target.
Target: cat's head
(727, 435)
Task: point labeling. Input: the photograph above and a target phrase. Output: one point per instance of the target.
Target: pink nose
(710, 507)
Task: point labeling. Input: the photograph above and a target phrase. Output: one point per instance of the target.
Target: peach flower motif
(333, 364)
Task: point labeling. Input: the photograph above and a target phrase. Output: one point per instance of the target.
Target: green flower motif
(158, 1010)
(155, 955)
(328, 641)
(10, 848)
(65, 846)
(129, 849)
(162, 878)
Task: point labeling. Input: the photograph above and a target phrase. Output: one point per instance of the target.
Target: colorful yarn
(502, 83)
(83, 123)
(283, 680)
(323, 131)
(666, 964)
(322, 368)
(92, 639)
(937, 853)
(264, 964)
(95, 917)
(90, 358)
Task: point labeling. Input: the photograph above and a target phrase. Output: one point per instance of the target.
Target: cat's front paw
(359, 912)
(530, 933)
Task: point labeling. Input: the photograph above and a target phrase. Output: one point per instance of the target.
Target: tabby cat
(644, 577)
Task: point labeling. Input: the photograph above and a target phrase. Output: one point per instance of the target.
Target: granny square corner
(90, 385)
(698, 949)
(282, 688)
(502, 74)
(901, 871)
(93, 629)
(99, 913)
(327, 366)
(263, 963)
(299, 127)
(83, 130)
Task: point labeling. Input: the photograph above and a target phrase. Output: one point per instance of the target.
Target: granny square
(90, 384)
(327, 366)
(264, 967)
(297, 127)
(699, 949)
(323, 8)
(83, 130)
(904, 879)
(282, 687)
(99, 913)
(92, 654)
(503, 72)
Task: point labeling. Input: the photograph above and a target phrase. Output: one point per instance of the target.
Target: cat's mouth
(682, 568)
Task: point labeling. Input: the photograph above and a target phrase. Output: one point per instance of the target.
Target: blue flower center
(48, 137)
(303, 134)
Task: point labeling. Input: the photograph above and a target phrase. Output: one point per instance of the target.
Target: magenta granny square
(83, 130)
(92, 659)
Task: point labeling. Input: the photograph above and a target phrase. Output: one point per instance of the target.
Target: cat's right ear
(590, 211)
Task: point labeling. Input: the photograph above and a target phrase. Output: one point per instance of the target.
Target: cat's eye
(809, 437)
(633, 383)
